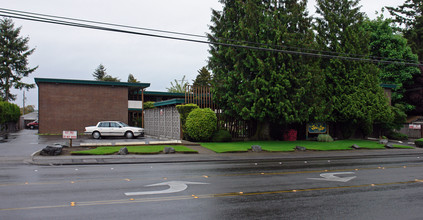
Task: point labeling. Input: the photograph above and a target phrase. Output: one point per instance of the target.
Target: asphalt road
(380, 188)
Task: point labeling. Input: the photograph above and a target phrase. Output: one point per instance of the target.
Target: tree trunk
(263, 131)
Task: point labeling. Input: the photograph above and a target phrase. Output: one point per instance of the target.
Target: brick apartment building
(74, 104)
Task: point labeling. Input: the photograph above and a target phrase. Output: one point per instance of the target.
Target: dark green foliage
(397, 136)
(352, 87)
(419, 142)
(260, 85)
(132, 79)
(14, 53)
(222, 136)
(184, 111)
(324, 138)
(101, 75)
(99, 72)
(201, 124)
(384, 42)
(409, 17)
(9, 112)
(203, 78)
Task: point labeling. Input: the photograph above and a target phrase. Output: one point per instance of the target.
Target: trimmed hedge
(222, 136)
(201, 124)
(324, 138)
(419, 142)
(9, 112)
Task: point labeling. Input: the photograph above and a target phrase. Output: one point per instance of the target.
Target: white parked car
(113, 128)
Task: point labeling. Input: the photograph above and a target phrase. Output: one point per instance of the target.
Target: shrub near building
(201, 124)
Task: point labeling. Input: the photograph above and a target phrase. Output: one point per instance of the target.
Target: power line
(35, 17)
(23, 13)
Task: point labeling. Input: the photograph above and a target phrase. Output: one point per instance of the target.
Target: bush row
(9, 112)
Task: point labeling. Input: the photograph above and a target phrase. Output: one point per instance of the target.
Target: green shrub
(201, 124)
(222, 136)
(324, 138)
(9, 112)
(397, 136)
(419, 142)
(148, 105)
(184, 111)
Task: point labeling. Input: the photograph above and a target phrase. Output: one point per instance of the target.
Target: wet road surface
(379, 188)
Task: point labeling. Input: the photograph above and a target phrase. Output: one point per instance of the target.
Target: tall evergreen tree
(14, 53)
(410, 15)
(132, 79)
(384, 42)
(99, 72)
(203, 78)
(353, 86)
(257, 85)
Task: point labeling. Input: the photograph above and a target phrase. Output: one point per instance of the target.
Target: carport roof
(91, 82)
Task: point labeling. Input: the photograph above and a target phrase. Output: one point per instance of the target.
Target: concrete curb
(227, 157)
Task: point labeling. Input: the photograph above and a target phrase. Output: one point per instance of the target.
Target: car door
(117, 129)
(104, 128)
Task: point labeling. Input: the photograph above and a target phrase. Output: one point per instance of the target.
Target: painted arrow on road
(174, 186)
(332, 177)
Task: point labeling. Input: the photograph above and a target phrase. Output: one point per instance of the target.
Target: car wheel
(96, 135)
(129, 135)
(31, 127)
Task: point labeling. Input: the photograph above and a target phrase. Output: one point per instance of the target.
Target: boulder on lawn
(355, 146)
(51, 150)
(389, 146)
(300, 148)
(123, 151)
(256, 148)
(383, 141)
(169, 150)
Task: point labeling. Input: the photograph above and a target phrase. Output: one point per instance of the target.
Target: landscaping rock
(383, 141)
(355, 146)
(389, 146)
(51, 150)
(123, 151)
(169, 150)
(300, 148)
(256, 148)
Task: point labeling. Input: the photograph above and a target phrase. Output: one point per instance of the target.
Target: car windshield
(123, 124)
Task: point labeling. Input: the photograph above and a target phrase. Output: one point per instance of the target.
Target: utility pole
(23, 108)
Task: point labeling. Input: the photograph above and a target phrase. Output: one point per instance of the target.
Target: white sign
(414, 126)
(174, 186)
(332, 177)
(70, 134)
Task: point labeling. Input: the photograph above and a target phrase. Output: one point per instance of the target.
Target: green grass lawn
(153, 149)
(286, 146)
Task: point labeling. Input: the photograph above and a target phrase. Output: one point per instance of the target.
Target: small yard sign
(70, 134)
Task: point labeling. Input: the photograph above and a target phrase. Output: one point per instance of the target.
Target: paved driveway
(25, 142)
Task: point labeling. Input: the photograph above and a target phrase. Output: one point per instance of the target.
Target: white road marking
(332, 177)
(174, 186)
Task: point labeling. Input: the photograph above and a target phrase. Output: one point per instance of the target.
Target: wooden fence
(203, 97)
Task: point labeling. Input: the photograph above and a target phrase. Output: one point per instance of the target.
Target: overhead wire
(54, 20)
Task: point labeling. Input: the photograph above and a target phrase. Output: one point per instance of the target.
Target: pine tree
(100, 72)
(257, 85)
(14, 51)
(353, 86)
(203, 78)
(410, 14)
(132, 79)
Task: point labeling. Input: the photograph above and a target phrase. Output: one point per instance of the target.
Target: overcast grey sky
(74, 53)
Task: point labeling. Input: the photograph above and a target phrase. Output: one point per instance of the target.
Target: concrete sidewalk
(209, 157)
